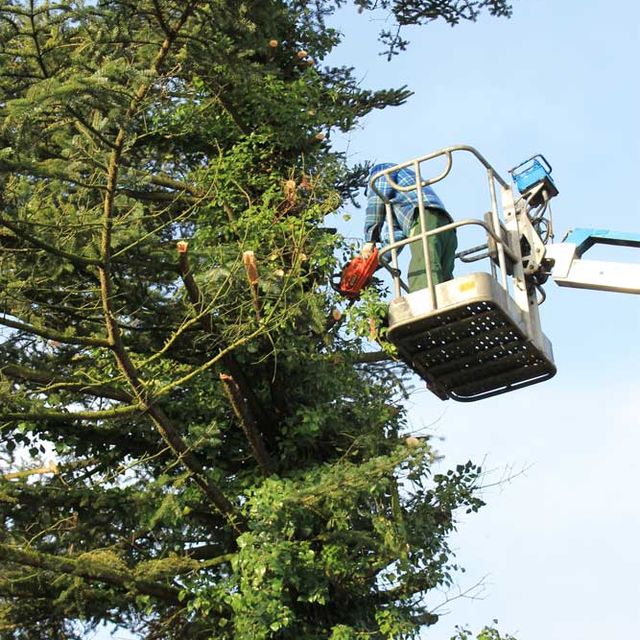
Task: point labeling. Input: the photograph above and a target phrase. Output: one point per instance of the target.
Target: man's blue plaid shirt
(404, 203)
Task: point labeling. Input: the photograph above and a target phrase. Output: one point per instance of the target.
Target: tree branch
(228, 361)
(372, 357)
(49, 334)
(167, 181)
(188, 193)
(17, 372)
(161, 21)
(248, 424)
(163, 197)
(89, 569)
(65, 416)
(52, 467)
(161, 421)
(83, 124)
(71, 257)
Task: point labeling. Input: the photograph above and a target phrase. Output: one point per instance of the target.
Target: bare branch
(248, 424)
(52, 467)
(161, 21)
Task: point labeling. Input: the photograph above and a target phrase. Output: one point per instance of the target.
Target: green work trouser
(442, 252)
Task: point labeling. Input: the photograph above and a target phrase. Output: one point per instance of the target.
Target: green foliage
(411, 12)
(224, 466)
(486, 633)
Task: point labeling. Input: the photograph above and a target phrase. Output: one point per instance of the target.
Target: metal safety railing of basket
(503, 251)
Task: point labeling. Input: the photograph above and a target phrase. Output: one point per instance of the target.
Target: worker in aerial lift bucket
(406, 223)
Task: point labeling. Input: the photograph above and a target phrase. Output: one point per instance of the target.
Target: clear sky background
(557, 546)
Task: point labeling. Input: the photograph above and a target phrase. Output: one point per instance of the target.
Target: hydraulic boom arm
(570, 269)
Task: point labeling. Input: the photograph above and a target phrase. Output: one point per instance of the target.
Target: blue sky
(556, 545)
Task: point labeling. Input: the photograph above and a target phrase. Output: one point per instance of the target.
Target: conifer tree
(191, 445)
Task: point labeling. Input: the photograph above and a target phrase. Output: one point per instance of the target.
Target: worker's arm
(375, 215)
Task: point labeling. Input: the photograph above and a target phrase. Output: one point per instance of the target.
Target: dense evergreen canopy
(225, 467)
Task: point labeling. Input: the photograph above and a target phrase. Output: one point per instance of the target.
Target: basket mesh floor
(471, 352)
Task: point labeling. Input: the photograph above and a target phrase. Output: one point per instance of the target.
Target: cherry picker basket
(477, 335)
(474, 344)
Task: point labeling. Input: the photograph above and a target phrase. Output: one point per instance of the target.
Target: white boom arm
(570, 269)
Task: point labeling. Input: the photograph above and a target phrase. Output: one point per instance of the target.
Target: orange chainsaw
(356, 275)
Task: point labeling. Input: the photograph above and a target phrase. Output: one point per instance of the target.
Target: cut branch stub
(251, 267)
